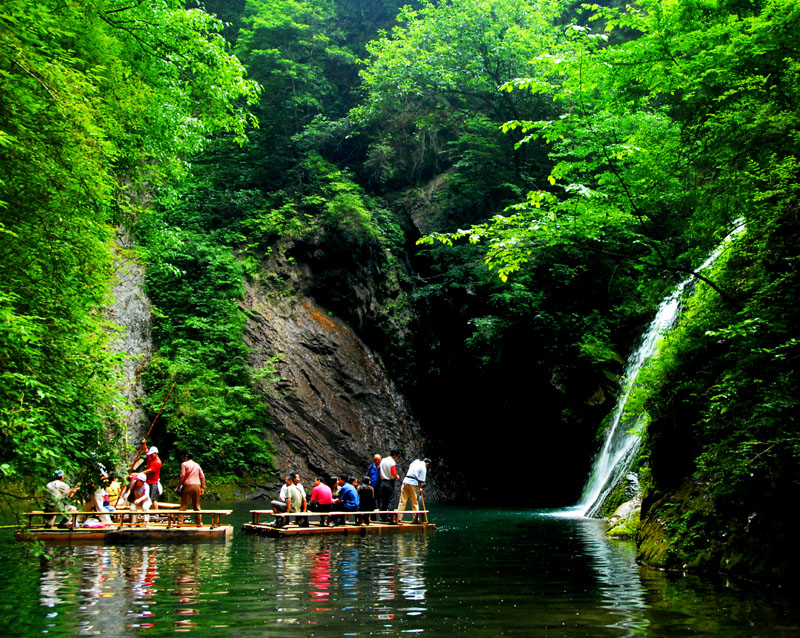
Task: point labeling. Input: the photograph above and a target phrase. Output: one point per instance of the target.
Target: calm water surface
(482, 573)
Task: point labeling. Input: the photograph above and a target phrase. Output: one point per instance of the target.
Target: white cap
(152, 450)
(141, 477)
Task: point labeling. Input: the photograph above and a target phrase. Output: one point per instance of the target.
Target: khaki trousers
(408, 492)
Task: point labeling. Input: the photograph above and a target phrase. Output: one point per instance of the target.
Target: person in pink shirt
(321, 499)
(191, 485)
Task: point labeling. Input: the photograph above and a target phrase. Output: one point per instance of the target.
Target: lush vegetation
(495, 194)
(685, 124)
(100, 101)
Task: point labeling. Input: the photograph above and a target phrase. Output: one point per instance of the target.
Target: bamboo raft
(166, 525)
(286, 524)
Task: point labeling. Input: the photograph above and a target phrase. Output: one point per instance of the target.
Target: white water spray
(623, 438)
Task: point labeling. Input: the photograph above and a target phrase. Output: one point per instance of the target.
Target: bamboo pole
(144, 441)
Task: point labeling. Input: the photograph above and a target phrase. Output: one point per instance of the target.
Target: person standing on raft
(412, 486)
(388, 471)
(153, 473)
(57, 499)
(191, 486)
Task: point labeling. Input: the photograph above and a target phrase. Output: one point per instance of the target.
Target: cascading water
(623, 437)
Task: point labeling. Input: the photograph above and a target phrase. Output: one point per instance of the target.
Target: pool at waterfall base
(484, 572)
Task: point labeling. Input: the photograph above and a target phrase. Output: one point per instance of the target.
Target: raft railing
(282, 519)
(166, 518)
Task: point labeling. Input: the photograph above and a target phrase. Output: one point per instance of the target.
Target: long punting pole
(144, 441)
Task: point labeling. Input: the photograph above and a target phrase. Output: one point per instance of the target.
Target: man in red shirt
(153, 474)
(321, 499)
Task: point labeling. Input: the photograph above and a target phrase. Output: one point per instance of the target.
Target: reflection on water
(618, 581)
(111, 590)
(365, 582)
(483, 573)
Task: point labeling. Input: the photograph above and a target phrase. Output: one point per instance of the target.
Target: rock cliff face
(132, 311)
(335, 405)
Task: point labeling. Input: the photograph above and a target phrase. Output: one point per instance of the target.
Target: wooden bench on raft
(285, 518)
(158, 518)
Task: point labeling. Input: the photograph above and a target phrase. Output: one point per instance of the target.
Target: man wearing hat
(56, 500)
(139, 497)
(153, 473)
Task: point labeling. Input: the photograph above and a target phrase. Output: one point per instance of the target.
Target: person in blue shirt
(347, 501)
(374, 473)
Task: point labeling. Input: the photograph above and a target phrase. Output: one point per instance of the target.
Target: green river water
(481, 573)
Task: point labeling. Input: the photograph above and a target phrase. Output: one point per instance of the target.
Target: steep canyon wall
(335, 404)
(132, 311)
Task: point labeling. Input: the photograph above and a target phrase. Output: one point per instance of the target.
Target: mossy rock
(624, 523)
(654, 542)
(680, 529)
(614, 499)
(233, 488)
(621, 531)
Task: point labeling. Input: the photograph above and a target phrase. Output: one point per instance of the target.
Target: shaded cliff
(722, 449)
(335, 404)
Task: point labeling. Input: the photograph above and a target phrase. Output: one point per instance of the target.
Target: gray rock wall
(131, 310)
(335, 405)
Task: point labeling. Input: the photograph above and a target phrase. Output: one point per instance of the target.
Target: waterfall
(623, 437)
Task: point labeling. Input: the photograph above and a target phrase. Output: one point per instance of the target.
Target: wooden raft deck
(164, 526)
(349, 528)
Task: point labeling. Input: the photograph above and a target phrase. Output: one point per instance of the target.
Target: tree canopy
(99, 101)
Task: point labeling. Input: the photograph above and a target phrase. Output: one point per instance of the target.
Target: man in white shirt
(388, 479)
(280, 504)
(57, 499)
(412, 486)
(301, 520)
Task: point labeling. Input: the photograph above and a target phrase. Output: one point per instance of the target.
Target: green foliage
(195, 284)
(673, 120)
(97, 99)
(614, 500)
(644, 124)
(432, 102)
(724, 402)
(298, 53)
(239, 205)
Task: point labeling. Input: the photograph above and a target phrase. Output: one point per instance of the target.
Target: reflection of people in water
(320, 581)
(51, 581)
(348, 572)
(411, 570)
(144, 575)
(113, 590)
(187, 588)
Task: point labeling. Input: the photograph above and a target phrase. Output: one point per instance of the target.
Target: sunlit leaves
(429, 80)
(100, 100)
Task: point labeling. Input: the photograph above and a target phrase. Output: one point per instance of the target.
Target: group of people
(141, 494)
(334, 497)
